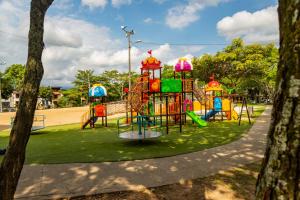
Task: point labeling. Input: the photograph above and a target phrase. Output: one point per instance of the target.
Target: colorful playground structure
(217, 102)
(155, 104)
(97, 108)
(158, 102)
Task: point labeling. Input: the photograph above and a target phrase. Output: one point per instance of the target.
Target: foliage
(241, 66)
(115, 82)
(83, 80)
(12, 79)
(70, 98)
(6, 87)
(45, 93)
(167, 72)
(15, 75)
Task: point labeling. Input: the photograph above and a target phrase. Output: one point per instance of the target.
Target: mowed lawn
(69, 144)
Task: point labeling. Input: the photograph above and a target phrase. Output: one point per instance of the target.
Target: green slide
(152, 113)
(196, 119)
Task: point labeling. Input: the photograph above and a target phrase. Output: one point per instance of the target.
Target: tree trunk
(13, 161)
(279, 177)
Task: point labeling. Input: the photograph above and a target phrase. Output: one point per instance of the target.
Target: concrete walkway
(66, 180)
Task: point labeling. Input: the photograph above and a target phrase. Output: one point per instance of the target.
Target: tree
(11, 79)
(70, 98)
(240, 66)
(13, 160)
(168, 71)
(45, 93)
(15, 74)
(203, 67)
(6, 87)
(83, 80)
(115, 82)
(279, 177)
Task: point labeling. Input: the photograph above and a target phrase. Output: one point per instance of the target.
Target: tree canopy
(45, 93)
(11, 79)
(15, 75)
(241, 66)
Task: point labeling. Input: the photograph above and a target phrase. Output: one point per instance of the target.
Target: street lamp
(128, 35)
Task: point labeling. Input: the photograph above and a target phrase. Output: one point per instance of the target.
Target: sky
(86, 34)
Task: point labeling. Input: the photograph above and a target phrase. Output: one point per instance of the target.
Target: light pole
(128, 35)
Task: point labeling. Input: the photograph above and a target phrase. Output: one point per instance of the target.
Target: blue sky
(86, 34)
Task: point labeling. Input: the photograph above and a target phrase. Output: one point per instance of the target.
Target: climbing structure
(97, 107)
(217, 101)
(156, 101)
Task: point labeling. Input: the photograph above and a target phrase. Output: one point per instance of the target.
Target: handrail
(85, 117)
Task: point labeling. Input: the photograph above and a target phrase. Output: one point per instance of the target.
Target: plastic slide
(210, 114)
(92, 119)
(151, 109)
(234, 114)
(196, 119)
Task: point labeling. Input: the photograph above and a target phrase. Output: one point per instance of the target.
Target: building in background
(56, 95)
(14, 99)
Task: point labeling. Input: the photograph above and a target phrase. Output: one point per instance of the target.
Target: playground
(66, 144)
(159, 118)
(173, 121)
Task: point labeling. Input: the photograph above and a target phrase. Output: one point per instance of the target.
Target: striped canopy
(97, 91)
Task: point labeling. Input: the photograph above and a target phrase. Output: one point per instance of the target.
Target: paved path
(66, 180)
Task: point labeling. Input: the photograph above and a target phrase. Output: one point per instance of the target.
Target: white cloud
(148, 20)
(13, 31)
(94, 3)
(118, 3)
(71, 44)
(183, 15)
(63, 4)
(260, 26)
(160, 1)
(60, 32)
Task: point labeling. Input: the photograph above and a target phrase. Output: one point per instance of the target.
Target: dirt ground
(53, 116)
(235, 184)
(57, 116)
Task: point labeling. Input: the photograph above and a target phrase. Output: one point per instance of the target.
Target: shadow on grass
(69, 144)
(141, 143)
(93, 178)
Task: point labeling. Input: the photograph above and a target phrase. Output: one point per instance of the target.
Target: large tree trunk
(280, 173)
(13, 161)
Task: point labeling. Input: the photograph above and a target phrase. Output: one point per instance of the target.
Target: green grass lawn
(69, 144)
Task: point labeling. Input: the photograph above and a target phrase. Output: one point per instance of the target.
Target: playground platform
(67, 180)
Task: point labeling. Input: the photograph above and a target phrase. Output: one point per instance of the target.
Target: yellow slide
(229, 110)
(234, 114)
